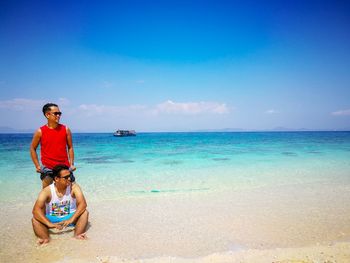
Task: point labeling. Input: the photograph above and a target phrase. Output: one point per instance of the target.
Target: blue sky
(176, 65)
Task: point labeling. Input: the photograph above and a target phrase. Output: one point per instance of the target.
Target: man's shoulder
(63, 126)
(76, 190)
(42, 129)
(75, 187)
(45, 193)
(38, 131)
(47, 190)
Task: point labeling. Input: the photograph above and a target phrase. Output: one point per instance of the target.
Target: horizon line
(199, 131)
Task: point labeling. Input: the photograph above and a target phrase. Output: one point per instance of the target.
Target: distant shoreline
(201, 131)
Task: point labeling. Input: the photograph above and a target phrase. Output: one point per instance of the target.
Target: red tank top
(53, 146)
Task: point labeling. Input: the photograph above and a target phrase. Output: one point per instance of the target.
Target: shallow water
(156, 163)
(185, 194)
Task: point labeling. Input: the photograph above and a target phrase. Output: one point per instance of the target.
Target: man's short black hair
(47, 107)
(58, 168)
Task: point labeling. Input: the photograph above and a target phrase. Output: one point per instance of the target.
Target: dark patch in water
(172, 162)
(221, 159)
(11, 149)
(126, 161)
(169, 191)
(100, 159)
(314, 152)
(289, 154)
(178, 190)
(91, 152)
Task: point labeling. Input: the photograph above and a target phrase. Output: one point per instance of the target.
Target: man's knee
(86, 213)
(34, 221)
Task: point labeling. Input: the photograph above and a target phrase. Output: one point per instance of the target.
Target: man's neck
(52, 125)
(62, 189)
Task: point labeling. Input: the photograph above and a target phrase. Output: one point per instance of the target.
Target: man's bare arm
(33, 146)
(81, 204)
(70, 149)
(39, 209)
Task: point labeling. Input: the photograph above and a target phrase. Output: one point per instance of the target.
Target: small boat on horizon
(124, 133)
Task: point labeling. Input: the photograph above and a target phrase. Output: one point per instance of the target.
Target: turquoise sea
(109, 168)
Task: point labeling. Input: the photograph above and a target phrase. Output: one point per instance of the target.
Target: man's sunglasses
(66, 177)
(58, 113)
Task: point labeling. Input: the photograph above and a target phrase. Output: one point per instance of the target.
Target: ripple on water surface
(172, 162)
(289, 154)
(221, 159)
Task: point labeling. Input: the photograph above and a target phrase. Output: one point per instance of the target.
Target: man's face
(64, 178)
(54, 114)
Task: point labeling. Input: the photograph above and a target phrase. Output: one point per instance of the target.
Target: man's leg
(46, 181)
(41, 231)
(46, 176)
(80, 226)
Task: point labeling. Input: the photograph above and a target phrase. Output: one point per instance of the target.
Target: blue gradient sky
(176, 65)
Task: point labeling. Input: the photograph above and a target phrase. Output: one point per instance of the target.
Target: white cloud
(94, 109)
(19, 104)
(341, 113)
(63, 102)
(90, 108)
(271, 111)
(169, 107)
(191, 108)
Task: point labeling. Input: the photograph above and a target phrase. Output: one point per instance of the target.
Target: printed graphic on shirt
(60, 208)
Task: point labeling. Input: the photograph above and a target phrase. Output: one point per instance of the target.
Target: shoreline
(338, 252)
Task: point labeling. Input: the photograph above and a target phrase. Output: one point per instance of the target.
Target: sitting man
(59, 205)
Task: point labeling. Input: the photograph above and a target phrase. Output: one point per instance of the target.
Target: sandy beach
(295, 223)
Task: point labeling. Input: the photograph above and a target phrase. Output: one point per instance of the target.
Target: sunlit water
(175, 163)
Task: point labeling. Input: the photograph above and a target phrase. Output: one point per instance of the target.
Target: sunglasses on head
(58, 113)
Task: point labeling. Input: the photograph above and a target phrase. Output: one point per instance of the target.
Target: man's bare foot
(42, 241)
(82, 236)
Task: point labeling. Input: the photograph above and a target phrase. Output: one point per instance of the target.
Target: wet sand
(296, 223)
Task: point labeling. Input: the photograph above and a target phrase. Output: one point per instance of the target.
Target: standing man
(59, 205)
(56, 146)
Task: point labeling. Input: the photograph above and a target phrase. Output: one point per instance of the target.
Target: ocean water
(109, 167)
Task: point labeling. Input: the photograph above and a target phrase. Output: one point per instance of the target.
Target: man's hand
(72, 168)
(38, 169)
(66, 223)
(56, 225)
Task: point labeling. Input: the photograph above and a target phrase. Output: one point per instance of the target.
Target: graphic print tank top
(61, 206)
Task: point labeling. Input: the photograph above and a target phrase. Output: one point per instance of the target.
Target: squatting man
(59, 205)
